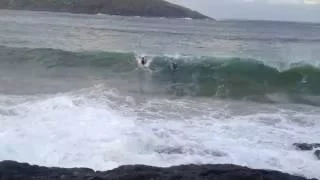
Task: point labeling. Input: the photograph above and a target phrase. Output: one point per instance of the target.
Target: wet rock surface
(309, 147)
(306, 146)
(22, 171)
(317, 154)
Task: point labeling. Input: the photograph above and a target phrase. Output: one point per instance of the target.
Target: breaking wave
(195, 76)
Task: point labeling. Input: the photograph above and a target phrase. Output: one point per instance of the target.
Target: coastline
(155, 8)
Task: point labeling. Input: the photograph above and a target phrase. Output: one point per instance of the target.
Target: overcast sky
(283, 10)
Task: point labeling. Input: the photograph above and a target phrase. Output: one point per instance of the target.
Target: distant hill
(147, 8)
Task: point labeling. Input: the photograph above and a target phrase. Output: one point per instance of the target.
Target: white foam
(102, 129)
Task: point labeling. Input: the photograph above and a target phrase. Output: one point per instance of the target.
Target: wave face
(194, 76)
(237, 77)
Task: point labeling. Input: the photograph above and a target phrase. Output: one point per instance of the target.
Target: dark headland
(145, 8)
(10, 170)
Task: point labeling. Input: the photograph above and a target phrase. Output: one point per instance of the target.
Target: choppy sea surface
(72, 91)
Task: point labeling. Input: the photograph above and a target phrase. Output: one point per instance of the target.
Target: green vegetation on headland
(146, 8)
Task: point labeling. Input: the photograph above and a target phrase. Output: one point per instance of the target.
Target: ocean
(73, 93)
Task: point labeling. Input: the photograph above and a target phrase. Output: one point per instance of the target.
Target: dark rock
(303, 146)
(316, 145)
(147, 8)
(95, 178)
(317, 154)
(15, 170)
(22, 171)
(306, 146)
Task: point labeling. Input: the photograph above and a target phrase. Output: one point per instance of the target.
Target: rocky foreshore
(10, 170)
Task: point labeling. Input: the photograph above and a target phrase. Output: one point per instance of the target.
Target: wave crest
(195, 76)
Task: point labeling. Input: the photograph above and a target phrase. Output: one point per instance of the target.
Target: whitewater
(72, 92)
